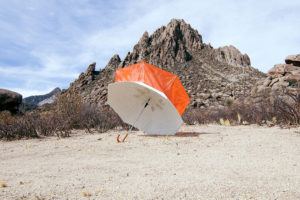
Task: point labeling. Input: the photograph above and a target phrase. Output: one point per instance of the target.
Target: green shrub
(292, 82)
(229, 102)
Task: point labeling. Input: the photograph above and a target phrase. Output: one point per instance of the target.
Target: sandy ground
(242, 162)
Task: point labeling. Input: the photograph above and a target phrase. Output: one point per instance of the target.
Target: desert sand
(240, 162)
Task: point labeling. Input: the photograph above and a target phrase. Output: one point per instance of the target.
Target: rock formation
(232, 56)
(293, 59)
(209, 75)
(280, 78)
(10, 100)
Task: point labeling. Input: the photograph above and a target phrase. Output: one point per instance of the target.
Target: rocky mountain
(42, 99)
(280, 78)
(209, 75)
(10, 100)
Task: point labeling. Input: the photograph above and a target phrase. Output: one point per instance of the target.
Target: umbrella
(148, 98)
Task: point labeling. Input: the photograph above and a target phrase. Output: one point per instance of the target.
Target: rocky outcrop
(293, 59)
(210, 76)
(91, 69)
(280, 78)
(10, 100)
(114, 62)
(232, 56)
(92, 85)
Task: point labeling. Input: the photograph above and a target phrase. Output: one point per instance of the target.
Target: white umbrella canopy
(144, 107)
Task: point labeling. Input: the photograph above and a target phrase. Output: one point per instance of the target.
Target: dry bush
(288, 107)
(195, 116)
(51, 123)
(45, 123)
(69, 113)
(282, 110)
(99, 118)
(70, 106)
(80, 115)
(16, 127)
(111, 120)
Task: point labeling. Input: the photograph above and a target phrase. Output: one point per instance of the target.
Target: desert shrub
(229, 102)
(16, 127)
(235, 114)
(80, 115)
(111, 120)
(288, 107)
(283, 109)
(69, 112)
(99, 118)
(70, 106)
(292, 82)
(195, 116)
(45, 123)
(51, 123)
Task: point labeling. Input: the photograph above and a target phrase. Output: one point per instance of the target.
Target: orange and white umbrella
(148, 98)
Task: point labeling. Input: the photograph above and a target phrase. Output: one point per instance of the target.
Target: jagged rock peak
(231, 55)
(55, 90)
(91, 68)
(189, 35)
(113, 62)
(174, 42)
(144, 40)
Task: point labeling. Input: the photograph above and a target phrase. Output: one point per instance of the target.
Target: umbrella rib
(146, 104)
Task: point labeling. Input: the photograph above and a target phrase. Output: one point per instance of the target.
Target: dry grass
(86, 194)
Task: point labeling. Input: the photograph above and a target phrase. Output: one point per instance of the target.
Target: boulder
(10, 100)
(281, 69)
(293, 59)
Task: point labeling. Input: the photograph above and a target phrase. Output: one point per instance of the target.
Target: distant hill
(40, 100)
(209, 75)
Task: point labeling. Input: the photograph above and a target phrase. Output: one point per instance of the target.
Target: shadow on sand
(181, 134)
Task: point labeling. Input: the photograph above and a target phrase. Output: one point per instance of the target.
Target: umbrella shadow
(182, 134)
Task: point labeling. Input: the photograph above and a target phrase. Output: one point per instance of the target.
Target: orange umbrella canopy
(157, 78)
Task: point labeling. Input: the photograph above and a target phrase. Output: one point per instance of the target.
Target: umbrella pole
(147, 103)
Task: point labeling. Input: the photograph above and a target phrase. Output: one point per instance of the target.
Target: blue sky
(47, 43)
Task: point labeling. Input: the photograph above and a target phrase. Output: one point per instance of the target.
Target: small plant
(227, 122)
(222, 121)
(228, 102)
(239, 118)
(292, 82)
